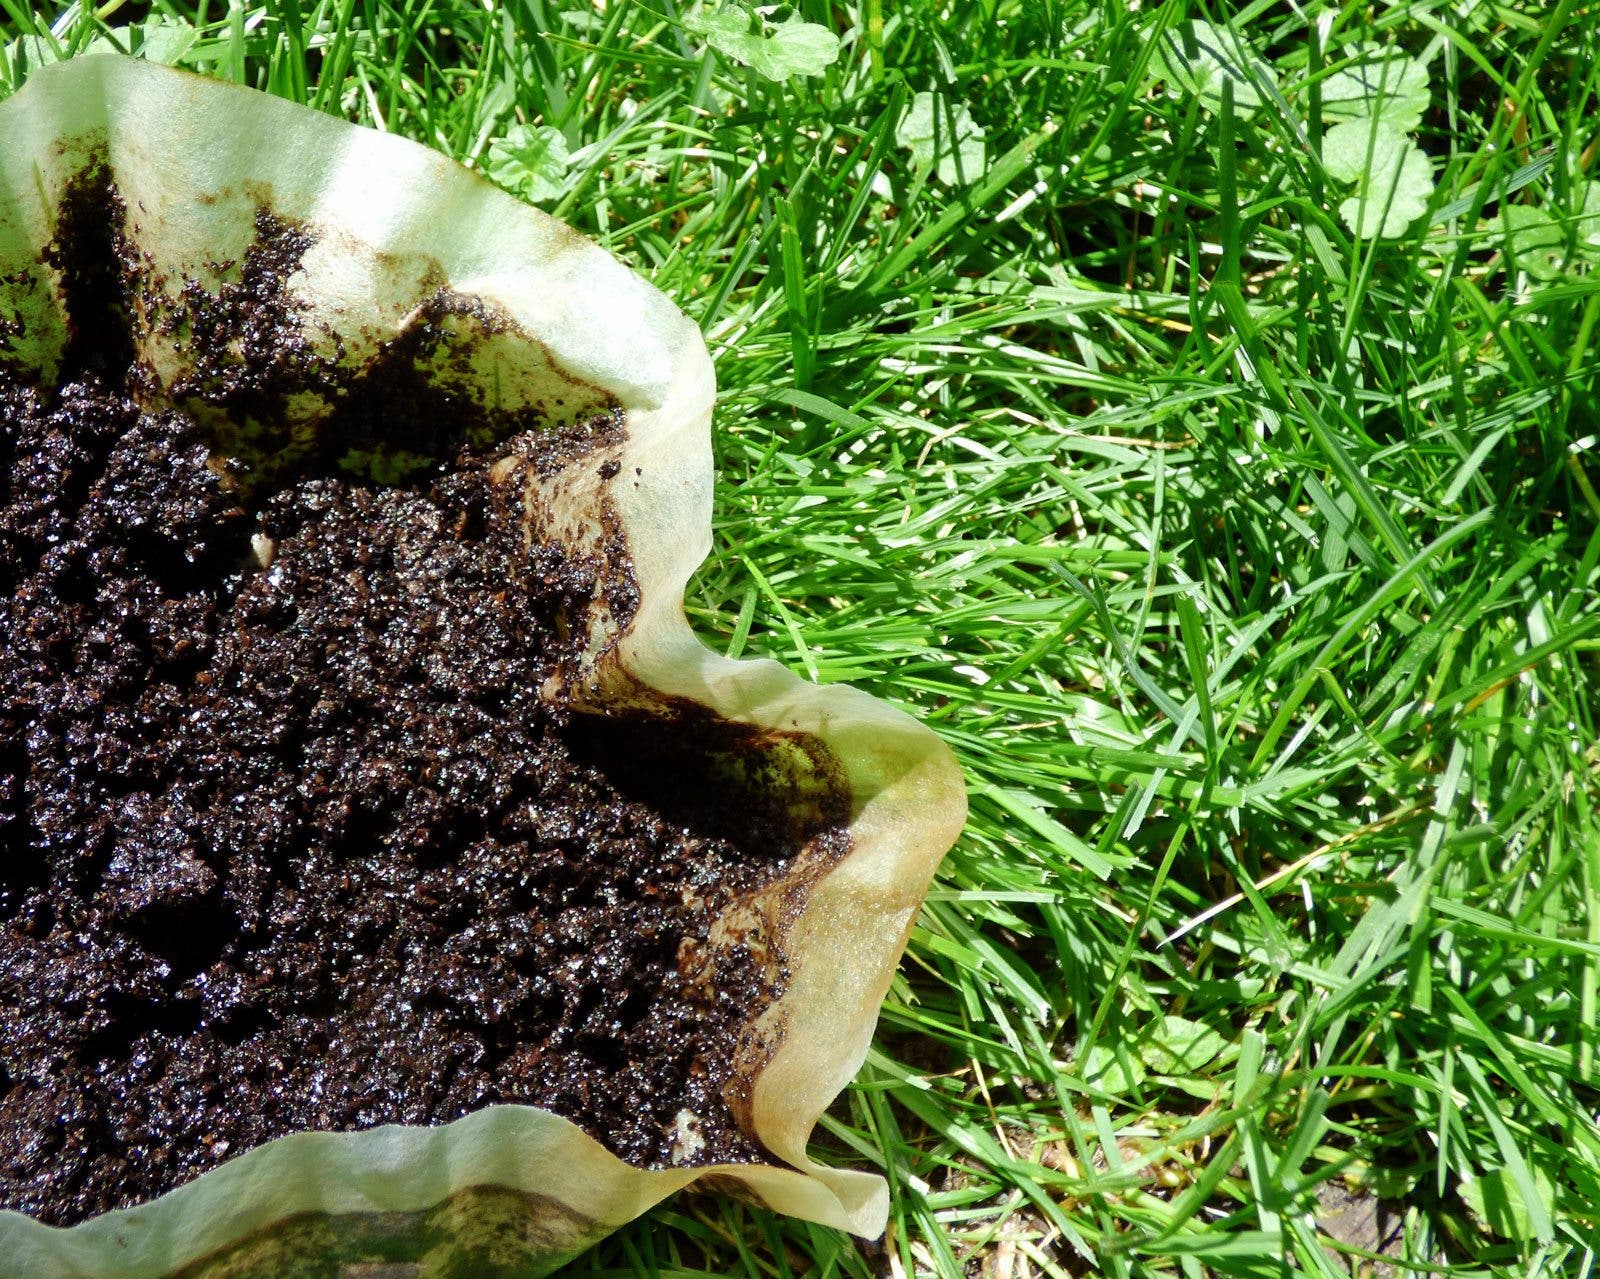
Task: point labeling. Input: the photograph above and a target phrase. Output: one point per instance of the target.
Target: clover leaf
(1198, 58)
(531, 161)
(1393, 177)
(778, 50)
(944, 138)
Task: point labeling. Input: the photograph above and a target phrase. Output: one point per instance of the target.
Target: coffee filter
(559, 329)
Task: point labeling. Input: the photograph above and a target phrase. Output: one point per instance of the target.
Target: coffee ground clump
(292, 840)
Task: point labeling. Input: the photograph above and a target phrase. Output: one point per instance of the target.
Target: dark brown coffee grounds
(289, 839)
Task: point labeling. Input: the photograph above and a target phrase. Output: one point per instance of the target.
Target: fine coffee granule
(289, 838)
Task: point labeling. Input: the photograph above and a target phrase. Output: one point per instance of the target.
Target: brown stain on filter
(480, 1230)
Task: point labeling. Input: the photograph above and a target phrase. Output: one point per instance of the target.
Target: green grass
(1252, 570)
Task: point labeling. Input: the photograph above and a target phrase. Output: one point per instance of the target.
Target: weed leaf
(1501, 1202)
(1352, 150)
(23, 55)
(1112, 1071)
(1180, 1046)
(1534, 241)
(777, 50)
(531, 162)
(1197, 58)
(943, 137)
(165, 40)
(1389, 86)
(1392, 175)
(1589, 217)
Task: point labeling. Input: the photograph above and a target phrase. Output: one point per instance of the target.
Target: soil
(290, 838)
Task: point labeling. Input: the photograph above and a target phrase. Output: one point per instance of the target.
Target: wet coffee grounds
(292, 841)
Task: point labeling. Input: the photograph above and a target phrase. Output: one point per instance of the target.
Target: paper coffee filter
(561, 328)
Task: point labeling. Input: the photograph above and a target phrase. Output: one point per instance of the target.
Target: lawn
(1190, 412)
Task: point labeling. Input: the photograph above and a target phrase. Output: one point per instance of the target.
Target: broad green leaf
(1387, 211)
(1535, 242)
(1113, 1072)
(943, 136)
(1197, 58)
(1588, 194)
(1501, 1202)
(530, 162)
(1357, 147)
(586, 20)
(165, 40)
(777, 50)
(1388, 1183)
(23, 55)
(1392, 175)
(1178, 1046)
(1385, 85)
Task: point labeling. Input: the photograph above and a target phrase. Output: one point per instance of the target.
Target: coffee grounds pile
(290, 840)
